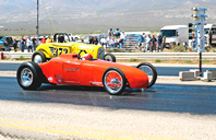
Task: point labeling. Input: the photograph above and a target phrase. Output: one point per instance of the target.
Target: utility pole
(37, 27)
(199, 18)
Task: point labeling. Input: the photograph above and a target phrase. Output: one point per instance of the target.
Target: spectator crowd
(116, 39)
(113, 40)
(150, 43)
(29, 43)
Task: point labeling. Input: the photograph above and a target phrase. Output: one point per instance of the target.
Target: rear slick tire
(149, 69)
(110, 57)
(29, 76)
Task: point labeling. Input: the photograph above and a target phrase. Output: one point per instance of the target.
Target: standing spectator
(72, 40)
(43, 40)
(117, 33)
(91, 40)
(148, 43)
(34, 42)
(144, 43)
(185, 44)
(140, 41)
(123, 36)
(110, 33)
(22, 44)
(122, 39)
(6, 45)
(48, 40)
(159, 42)
(95, 40)
(153, 42)
(103, 42)
(14, 44)
(29, 44)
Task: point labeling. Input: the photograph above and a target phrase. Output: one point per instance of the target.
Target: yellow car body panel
(52, 50)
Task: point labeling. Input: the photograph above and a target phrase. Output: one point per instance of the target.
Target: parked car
(99, 36)
(75, 37)
(210, 34)
(9, 40)
(86, 71)
(175, 35)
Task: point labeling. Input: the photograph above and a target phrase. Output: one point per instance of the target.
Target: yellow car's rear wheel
(110, 57)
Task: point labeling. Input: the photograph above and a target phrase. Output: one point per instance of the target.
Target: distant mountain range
(96, 16)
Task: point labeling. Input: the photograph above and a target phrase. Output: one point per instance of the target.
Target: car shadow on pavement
(69, 87)
(127, 92)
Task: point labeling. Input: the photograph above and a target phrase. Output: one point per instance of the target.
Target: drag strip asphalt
(9, 66)
(170, 98)
(162, 71)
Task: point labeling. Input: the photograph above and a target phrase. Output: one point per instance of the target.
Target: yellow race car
(47, 51)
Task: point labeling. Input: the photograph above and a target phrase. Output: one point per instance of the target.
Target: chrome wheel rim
(113, 81)
(38, 59)
(108, 58)
(148, 71)
(26, 77)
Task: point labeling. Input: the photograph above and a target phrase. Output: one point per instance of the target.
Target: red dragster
(86, 71)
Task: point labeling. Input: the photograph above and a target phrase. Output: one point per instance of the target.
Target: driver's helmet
(87, 57)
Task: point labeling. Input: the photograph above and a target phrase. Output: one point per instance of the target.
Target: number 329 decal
(57, 51)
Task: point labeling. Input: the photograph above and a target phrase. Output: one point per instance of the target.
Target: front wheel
(114, 81)
(38, 57)
(150, 70)
(110, 57)
(28, 76)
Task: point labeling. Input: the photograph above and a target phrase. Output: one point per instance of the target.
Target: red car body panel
(68, 69)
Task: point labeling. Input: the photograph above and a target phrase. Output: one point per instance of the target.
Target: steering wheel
(80, 53)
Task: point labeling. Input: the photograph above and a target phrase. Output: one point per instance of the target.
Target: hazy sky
(98, 15)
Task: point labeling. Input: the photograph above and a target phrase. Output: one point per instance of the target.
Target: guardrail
(160, 55)
(165, 55)
(15, 55)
